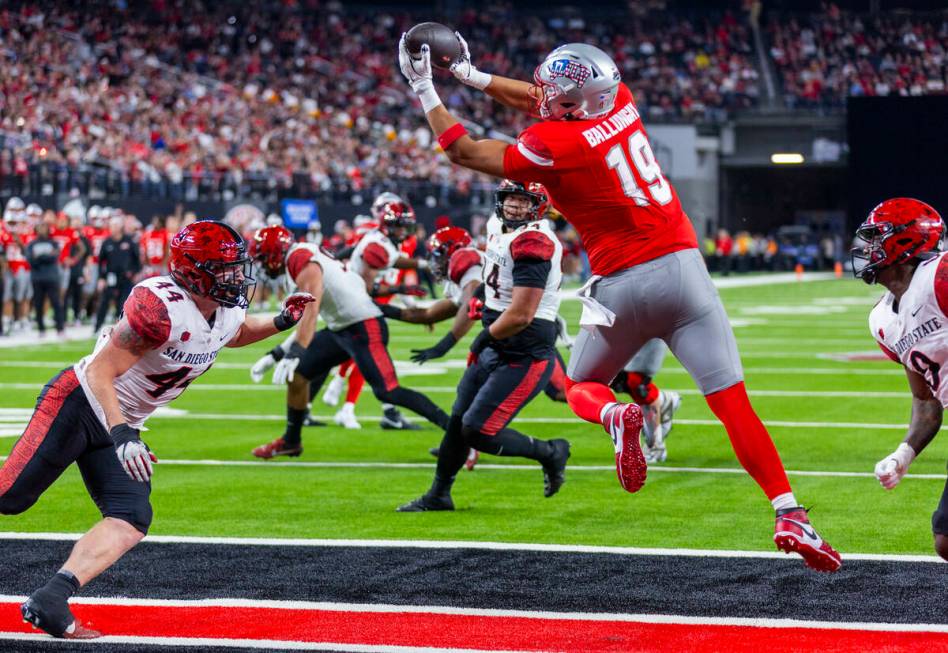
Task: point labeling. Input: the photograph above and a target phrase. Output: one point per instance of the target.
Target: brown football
(442, 41)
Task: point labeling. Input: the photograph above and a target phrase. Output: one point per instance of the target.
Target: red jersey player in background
(591, 152)
(154, 245)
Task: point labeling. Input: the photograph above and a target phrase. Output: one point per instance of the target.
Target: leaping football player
(354, 329)
(171, 331)
(899, 247)
(511, 360)
(591, 152)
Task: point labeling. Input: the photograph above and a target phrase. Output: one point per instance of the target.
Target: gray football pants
(648, 360)
(672, 298)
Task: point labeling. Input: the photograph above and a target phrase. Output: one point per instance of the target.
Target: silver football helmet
(576, 81)
(380, 202)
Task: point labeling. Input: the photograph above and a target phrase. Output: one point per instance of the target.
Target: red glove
(292, 311)
(475, 308)
(471, 358)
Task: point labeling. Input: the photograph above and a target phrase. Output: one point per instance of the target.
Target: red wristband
(450, 135)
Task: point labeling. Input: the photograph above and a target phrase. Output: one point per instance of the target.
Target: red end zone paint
(490, 633)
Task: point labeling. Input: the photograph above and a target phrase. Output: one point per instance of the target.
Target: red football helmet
(269, 246)
(397, 221)
(535, 192)
(380, 202)
(442, 244)
(210, 259)
(896, 231)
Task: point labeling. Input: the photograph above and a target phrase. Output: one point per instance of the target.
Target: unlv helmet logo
(571, 70)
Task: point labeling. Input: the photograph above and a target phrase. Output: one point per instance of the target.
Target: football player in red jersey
(172, 329)
(898, 247)
(154, 245)
(591, 152)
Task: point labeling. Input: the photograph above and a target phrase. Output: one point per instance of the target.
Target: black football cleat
(393, 420)
(426, 503)
(554, 470)
(52, 616)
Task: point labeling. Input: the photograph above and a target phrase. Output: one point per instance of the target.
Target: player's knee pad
(138, 515)
(941, 545)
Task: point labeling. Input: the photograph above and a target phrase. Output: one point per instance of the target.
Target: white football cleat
(333, 391)
(671, 402)
(346, 418)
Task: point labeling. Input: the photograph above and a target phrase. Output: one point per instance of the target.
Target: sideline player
(171, 331)
(511, 359)
(591, 152)
(898, 247)
(354, 329)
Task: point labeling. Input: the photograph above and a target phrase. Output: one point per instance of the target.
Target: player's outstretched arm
(485, 156)
(513, 93)
(923, 427)
(256, 328)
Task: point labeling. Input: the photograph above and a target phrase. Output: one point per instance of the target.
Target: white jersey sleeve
(466, 265)
(185, 344)
(344, 301)
(502, 251)
(914, 330)
(374, 250)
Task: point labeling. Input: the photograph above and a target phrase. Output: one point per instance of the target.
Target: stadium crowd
(189, 99)
(824, 58)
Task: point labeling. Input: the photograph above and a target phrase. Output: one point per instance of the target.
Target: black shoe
(426, 503)
(554, 470)
(392, 420)
(310, 421)
(52, 616)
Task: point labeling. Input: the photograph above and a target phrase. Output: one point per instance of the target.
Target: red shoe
(81, 632)
(794, 534)
(472, 456)
(623, 423)
(277, 448)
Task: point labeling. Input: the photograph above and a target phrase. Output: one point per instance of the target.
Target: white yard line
(473, 544)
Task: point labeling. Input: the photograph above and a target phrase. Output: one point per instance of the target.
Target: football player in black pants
(512, 359)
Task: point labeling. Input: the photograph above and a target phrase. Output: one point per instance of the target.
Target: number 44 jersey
(914, 330)
(189, 346)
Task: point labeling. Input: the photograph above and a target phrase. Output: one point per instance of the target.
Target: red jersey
(96, 236)
(16, 256)
(603, 177)
(65, 238)
(154, 246)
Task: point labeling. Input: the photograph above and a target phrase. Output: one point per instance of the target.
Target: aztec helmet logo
(576, 72)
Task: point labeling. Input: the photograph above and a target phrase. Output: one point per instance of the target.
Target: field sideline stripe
(549, 420)
(384, 608)
(472, 544)
(261, 644)
(205, 462)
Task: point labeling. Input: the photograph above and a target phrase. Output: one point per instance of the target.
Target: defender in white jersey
(511, 360)
(171, 331)
(898, 247)
(354, 329)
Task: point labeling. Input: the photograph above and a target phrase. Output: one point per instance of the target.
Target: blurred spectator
(43, 256)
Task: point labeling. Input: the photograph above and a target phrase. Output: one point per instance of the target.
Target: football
(443, 42)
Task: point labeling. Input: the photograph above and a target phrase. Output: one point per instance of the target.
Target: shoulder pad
(532, 245)
(462, 261)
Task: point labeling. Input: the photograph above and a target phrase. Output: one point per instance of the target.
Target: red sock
(750, 439)
(634, 379)
(587, 398)
(356, 381)
(345, 367)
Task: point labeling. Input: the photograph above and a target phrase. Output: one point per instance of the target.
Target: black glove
(440, 349)
(483, 340)
(292, 311)
(393, 312)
